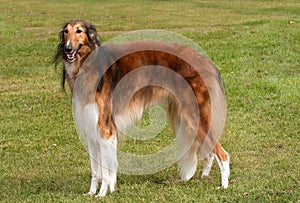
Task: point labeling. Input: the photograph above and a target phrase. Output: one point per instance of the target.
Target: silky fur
(101, 117)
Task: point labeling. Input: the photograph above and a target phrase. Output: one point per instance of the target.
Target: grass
(254, 43)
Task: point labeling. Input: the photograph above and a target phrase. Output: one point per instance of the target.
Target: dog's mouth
(71, 55)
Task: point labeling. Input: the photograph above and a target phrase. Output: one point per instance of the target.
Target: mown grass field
(256, 46)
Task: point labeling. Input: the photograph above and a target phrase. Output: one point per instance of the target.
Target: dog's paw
(90, 193)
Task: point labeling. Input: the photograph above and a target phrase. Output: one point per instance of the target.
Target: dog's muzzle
(70, 52)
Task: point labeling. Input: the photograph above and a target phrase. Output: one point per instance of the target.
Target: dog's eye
(66, 31)
(78, 31)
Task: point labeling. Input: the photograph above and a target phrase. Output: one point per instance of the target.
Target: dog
(100, 114)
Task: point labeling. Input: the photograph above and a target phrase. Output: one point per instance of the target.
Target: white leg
(94, 153)
(208, 161)
(89, 126)
(225, 171)
(109, 164)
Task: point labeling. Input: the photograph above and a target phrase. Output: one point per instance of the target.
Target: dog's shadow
(65, 181)
(169, 176)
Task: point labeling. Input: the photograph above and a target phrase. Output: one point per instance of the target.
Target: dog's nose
(68, 48)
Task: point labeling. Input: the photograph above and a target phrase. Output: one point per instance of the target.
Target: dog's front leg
(92, 135)
(109, 164)
(94, 153)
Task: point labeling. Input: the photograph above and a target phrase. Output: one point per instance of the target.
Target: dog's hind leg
(109, 164)
(223, 159)
(208, 161)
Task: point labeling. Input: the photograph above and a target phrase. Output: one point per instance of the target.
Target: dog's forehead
(76, 26)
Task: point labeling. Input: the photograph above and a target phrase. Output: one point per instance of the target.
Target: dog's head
(77, 39)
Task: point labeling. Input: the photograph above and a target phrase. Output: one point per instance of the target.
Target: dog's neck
(69, 68)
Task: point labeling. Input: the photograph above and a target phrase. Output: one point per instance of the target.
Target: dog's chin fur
(72, 60)
(99, 130)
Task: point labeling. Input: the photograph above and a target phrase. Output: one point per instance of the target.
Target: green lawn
(256, 46)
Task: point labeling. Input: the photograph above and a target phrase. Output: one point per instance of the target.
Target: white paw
(90, 193)
(101, 194)
(225, 180)
(107, 184)
(113, 182)
(103, 189)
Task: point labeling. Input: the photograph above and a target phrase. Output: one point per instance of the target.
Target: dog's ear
(92, 34)
(59, 54)
(60, 47)
(61, 34)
